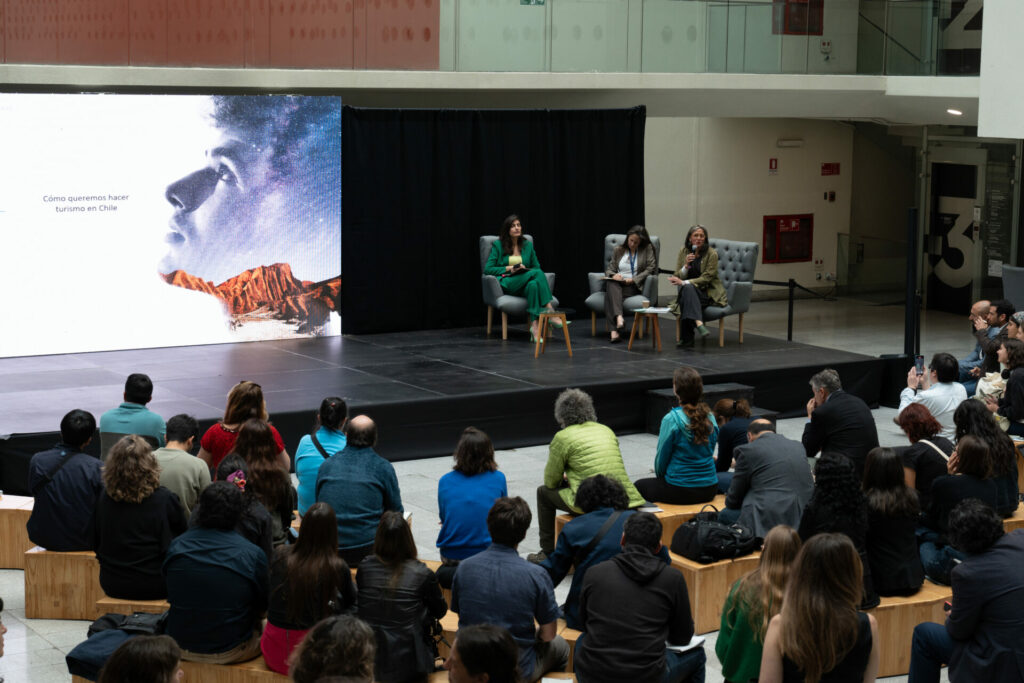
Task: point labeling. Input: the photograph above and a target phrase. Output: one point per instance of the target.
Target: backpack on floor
(704, 539)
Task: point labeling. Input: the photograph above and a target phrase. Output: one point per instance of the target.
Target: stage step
(660, 401)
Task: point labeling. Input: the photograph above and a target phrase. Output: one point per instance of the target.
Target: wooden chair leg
(593, 324)
(504, 326)
(741, 328)
(490, 318)
(721, 331)
(643, 325)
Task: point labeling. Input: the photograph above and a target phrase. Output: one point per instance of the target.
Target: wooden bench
(14, 514)
(709, 584)
(1016, 521)
(450, 626)
(442, 676)
(672, 517)
(253, 671)
(61, 585)
(897, 617)
(108, 605)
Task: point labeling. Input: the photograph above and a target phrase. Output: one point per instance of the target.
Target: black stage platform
(422, 388)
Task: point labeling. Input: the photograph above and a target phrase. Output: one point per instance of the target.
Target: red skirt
(277, 644)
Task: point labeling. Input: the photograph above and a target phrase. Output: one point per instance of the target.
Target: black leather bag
(704, 539)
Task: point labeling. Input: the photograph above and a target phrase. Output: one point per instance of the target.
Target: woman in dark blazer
(699, 285)
(631, 264)
(514, 262)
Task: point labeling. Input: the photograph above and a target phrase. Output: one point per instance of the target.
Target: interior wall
(716, 172)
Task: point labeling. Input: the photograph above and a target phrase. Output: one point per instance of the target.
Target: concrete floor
(35, 649)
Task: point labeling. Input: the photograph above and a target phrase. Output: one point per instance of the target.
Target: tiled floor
(35, 649)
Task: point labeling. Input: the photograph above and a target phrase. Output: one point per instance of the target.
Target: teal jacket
(680, 461)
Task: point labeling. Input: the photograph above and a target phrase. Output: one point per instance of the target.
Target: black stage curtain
(419, 187)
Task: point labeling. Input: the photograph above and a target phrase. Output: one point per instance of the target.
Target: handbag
(704, 539)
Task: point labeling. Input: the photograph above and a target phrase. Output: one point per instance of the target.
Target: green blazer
(497, 261)
(708, 279)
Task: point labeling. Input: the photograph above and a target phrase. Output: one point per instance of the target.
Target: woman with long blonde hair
(752, 603)
(136, 519)
(819, 635)
(684, 465)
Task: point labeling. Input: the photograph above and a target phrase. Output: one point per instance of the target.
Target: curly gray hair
(573, 407)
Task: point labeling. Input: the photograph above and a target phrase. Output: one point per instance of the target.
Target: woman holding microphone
(699, 286)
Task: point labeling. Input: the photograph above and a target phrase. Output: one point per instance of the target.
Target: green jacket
(497, 261)
(738, 647)
(708, 280)
(581, 451)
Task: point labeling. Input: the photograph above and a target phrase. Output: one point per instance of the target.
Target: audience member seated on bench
(772, 483)
(483, 653)
(819, 630)
(971, 418)
(267, 481)
(399, 597)
(582, 448)
(338, 648)
(981, 639)
(838, 422)
(360, 486)
(245, 401)
(132, 416)
(499, 587)
(926, 457)
(326, 439)
(308, 581)
(971, 469)
(592, 538)
(216, 583)
(838, 505)
(751, 604)
(136, 519)
(254, 525)
(732, 417)
(632, 606)
(892, 522)
(684, 465)
(66, 483)
(464, 496)
(144, 658)
(180, 471)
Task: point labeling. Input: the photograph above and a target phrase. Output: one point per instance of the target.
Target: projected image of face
(267, 193)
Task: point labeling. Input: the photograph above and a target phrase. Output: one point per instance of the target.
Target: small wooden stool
(641, 317)
(544, 330)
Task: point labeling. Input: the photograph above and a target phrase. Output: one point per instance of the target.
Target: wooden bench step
(14, 514)
(672, 517)
(897, 617)
(709, 584)
(108, 605)
(61, 585)
(1016, 521)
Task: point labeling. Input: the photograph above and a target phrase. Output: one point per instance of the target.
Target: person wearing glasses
(699, 285)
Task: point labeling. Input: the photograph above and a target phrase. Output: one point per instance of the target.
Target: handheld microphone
(693, 248)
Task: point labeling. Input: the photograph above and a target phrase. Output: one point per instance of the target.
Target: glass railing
(905, 37)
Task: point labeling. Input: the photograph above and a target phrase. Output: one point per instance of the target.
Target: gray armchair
(495, 296)
(736, 263)
(1013, 285)
(595, 302)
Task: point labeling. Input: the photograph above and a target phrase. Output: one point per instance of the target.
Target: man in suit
(838, 422)
(772, 483)
(981, 639)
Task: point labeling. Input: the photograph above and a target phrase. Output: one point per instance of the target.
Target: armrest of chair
(491, 289)
(551, 281)
(596, 282)
(651, 289)
(739, 296)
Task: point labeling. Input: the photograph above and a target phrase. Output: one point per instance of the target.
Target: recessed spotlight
(954, 112)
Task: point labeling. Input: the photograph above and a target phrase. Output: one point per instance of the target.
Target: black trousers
(692, 301)
(660, 491)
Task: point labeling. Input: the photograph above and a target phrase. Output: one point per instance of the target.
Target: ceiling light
(954, 112)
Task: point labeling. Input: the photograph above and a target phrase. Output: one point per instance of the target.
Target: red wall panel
(30, 31)
(148, 32)
(311, 33)
(206, 33)
(93, 32)
(402, 34)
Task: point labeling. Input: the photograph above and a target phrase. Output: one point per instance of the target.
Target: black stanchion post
(789, 329)
(912, 319)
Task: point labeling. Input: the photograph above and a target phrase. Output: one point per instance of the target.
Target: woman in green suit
(514, 262)
(699, 284)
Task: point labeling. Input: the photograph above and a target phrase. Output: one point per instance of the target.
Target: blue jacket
(360, 485)
(308, 460)
(463, 503)
(681, 462)
(62, 516)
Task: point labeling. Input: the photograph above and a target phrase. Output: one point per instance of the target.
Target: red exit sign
(830, 168)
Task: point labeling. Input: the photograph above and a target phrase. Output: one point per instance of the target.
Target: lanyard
(632, 263)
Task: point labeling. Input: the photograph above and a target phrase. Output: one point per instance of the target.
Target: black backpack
(704, 539)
